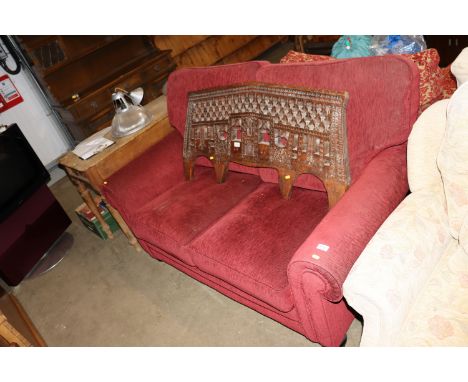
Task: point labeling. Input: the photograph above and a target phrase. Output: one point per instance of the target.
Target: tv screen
(21, 171)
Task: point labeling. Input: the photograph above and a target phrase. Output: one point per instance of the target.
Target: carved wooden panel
(293, 130)
(49, 54)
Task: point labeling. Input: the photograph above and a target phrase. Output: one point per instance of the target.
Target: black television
(21, 171)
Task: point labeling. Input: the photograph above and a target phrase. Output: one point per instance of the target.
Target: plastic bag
(352, 46)
(397, 44)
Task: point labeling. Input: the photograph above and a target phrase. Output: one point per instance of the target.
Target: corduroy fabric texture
(251, 246)
(188, 209)
(154, 172)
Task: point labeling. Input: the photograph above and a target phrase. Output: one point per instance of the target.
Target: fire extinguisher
(9, 94)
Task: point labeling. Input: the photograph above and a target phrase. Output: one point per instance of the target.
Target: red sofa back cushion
(435, 83)
(383, 102)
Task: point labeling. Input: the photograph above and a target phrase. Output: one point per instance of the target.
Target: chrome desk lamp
(130, 116)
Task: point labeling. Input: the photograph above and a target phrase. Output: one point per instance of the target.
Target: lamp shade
(128, 118)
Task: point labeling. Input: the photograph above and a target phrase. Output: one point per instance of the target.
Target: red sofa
(241, 237)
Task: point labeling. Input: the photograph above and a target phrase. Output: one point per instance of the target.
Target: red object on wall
(9, 94)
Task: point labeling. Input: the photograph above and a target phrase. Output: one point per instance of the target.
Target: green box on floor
(89, 220)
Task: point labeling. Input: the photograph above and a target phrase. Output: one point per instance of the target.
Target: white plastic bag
(397, 44)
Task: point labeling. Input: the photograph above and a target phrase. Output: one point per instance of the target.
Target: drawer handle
(94, 105)
(157, 67)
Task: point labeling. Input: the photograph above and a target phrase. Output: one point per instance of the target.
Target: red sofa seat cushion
(179, 215)
(251, 246)
(154, 172)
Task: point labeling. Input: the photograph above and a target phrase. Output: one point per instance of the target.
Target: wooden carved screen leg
(221, 169)
(335, 190)
(189, 165)
(286, 179)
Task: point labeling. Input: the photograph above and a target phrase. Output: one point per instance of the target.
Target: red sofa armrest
(320, 266)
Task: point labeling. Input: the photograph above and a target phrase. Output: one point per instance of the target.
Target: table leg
(88, 199)
(124, 227)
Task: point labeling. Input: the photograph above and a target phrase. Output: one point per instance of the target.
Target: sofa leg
(343, 343)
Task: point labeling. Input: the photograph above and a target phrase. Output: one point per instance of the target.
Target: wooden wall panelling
(211, 50)
(190, 51)
(177, 44)
(251, 50)
(315, 44)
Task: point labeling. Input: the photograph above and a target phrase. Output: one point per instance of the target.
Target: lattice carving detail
(291, 129)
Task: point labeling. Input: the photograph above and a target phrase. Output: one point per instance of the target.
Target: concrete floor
(104, 293)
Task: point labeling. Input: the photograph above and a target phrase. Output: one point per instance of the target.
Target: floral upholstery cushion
(434, 84)
(293, 56)
(387, 278)
(411, 282)
(427, 62)
(459, 67)
(463, 237)
(439, 315)
(424, 145)
(448, 83)
(453, 159)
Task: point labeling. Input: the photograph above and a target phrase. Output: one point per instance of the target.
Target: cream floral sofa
(411, 282)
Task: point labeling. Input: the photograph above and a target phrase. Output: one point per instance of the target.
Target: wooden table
(89, 176)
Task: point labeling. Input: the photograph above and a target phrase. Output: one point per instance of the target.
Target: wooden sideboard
(80, 73)
(198, 50)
